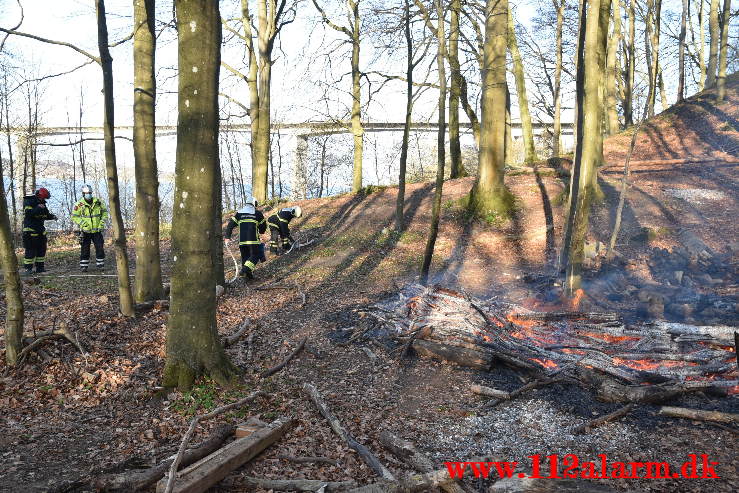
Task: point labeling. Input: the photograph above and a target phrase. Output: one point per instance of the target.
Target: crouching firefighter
(251, 224)
(90, 214)
(279, 228)
(34, 231)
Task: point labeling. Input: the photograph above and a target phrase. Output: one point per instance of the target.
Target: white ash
(696, 195)
(515, 430)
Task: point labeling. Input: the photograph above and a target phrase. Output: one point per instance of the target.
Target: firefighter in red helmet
(35, 213)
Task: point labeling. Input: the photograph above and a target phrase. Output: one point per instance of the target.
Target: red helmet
(43, 193)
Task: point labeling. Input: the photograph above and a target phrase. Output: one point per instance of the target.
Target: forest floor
(72, 417)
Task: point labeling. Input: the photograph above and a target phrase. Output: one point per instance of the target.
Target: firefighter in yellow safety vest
(90, 214)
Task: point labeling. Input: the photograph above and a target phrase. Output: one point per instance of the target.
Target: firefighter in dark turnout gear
(251, 224)
(90, 214)
(34, 231)
(279, 228)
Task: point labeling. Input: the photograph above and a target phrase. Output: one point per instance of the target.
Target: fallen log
(368, 457)
(138, 480)
(43, 336)
(622, 411)
(408, 453)
(205, 473)
(193, 424)
(697, 414)
(276, 368)
(525, 388)
(489, 392)
(295, 484)
(462, 356)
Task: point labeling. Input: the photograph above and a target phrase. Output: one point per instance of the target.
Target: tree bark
(148, 282)
(613, 125)
(440, 143)
(455, 89)
(589, 120)
(630, 52)
(559, 5)
(489, 195)
(681, 54)
(13, 299)
(400, 200)
(715, 32)
(723, 52)
(357, 129)
(119, 233)
(523, 100)
(193, 345)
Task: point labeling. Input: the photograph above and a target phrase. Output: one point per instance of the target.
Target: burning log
(644, 363)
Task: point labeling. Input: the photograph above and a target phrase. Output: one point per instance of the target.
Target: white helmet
(297, 211)
(86, 189)
(251, 201)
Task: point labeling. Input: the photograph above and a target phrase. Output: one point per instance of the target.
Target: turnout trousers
(35, 250)
(97, 240)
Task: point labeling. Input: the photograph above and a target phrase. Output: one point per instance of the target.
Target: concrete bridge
(301, 132)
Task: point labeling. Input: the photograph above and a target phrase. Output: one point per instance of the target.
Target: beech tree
(714, 30)
(590, 69)
(148, 280)
(489, 195)
(12, 281)
(523, 101)
(193, 346)
(352, 32)
(441, 135)
(723, 52)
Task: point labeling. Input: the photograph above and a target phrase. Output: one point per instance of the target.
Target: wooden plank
(202, 475)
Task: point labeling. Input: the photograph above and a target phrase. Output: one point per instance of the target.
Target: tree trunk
(455, 89)
(613, 125)
(523, 100)
(469, 110)
(702, 47)
(489, 195)
(440, 143)
(586, 154)
(11, 161)
(218, 264)
(651, 41)
(400, 201)
(119, 233)
(630, 52)
(148, 282)
(357, 129)
(721, 81)
(715, 31)
(193, 345)
(261, 140)
(681, 54)
(13, 299)
(252, 81)
(557, 126)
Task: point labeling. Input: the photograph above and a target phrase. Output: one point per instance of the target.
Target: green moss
(494, 208)
(370, 189)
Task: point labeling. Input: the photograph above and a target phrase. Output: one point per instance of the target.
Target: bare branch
(328, 21)
(236, 102)
(53, 42)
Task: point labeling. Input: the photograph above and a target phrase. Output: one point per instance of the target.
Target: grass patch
(370, 189)
(206, 395)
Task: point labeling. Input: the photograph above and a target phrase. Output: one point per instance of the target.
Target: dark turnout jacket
(281, 219)
(251, 224)
(34, 215)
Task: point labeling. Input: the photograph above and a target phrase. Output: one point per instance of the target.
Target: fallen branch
(622, 411)
(193, 424)
(294, 484)
(142, 479)
(408, 453)
(336, 425)
(489, 392)
(282, 365)
(45, 335)
(146, 305)
(310, 460)
(525, 388)
(207, 472)
(232, 339)
(697, 414)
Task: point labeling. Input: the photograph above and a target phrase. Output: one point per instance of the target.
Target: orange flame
(574, 302)
(546, 363)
